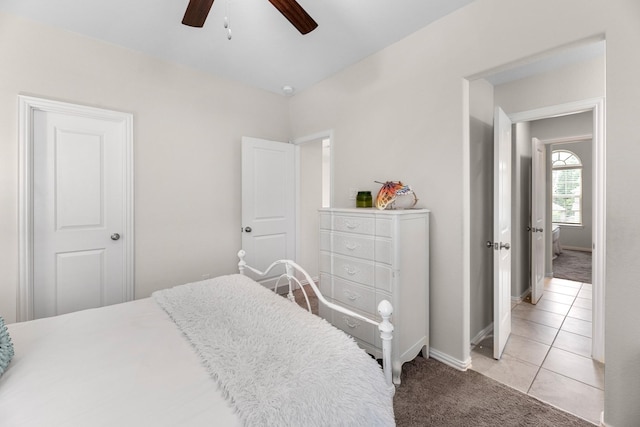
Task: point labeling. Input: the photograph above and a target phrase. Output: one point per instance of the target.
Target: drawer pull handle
(351, 270)
(351, 246)
(351, 225)
(353, 325)
(352, 296)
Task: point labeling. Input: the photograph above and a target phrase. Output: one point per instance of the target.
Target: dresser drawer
(354, 224)
(384, 227)
(325, 285)
(359, 329)
(357, 245)
(325, 221)
(383, 251)
(354, 245)
(354, 270)
(384, 278)
(366, 273)
(355, 327)
(351, 294)
(325, 262)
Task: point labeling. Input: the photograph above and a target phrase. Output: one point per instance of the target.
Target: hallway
(548, 353)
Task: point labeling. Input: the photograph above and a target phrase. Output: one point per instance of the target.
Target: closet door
(268, 203)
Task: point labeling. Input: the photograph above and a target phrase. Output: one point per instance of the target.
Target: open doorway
(580, 116)
(536, 97)
(314, 191)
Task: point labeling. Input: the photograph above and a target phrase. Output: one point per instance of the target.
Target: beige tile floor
(548, 353)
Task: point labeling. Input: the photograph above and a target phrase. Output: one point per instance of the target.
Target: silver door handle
(247, 229)
(497, 246)
(115, 236)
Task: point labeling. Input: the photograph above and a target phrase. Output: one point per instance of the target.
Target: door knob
(247, 229)
(115, 236)
(497, 246)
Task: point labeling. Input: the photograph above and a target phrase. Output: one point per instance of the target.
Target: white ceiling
(266, 51)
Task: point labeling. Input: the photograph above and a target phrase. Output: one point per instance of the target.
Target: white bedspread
(122, 365)
(129, 365)
(279, 365)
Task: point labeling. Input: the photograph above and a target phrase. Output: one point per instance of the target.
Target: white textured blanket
(278, 364)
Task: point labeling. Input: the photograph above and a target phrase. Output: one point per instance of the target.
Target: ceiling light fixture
(288, 90)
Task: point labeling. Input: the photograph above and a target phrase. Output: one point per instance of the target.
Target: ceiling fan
(197, 12)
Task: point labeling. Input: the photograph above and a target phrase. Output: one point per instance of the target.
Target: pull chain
(227, 20)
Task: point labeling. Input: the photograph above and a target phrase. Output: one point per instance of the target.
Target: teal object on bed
(6, 347)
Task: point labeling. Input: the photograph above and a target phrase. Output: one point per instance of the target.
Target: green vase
(364, 199)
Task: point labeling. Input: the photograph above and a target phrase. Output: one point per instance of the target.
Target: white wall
(310, 201)
(565, 126)
(187, 125)
(403, 113)
(583, 80)
(481, 203)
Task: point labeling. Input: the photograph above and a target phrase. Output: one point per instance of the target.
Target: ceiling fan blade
(197, 12)
(296, 15)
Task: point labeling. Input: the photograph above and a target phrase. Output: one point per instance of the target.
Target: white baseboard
(448, 360)
(576, 248)
(519, 299)
(304, 281)
(602, 423)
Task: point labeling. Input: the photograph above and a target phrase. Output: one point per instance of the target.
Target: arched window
(566, 187)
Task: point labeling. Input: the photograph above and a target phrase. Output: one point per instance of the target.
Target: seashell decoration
(405, 198)
(395, 195)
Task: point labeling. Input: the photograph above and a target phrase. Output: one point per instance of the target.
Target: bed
(223, 351)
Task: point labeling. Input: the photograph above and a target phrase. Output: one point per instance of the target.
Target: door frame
(327, 134)
(27, 106)
(535, 208)
(597, 106)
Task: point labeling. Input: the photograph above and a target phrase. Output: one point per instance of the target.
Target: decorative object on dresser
(395, 195)
(364, 199)
(367, 255)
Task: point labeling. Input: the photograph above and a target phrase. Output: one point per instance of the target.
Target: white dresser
(367, 255)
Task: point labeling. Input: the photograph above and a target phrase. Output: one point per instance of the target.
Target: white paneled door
(538, 217)
(501, 232)
(268, 203)
(81, 216)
